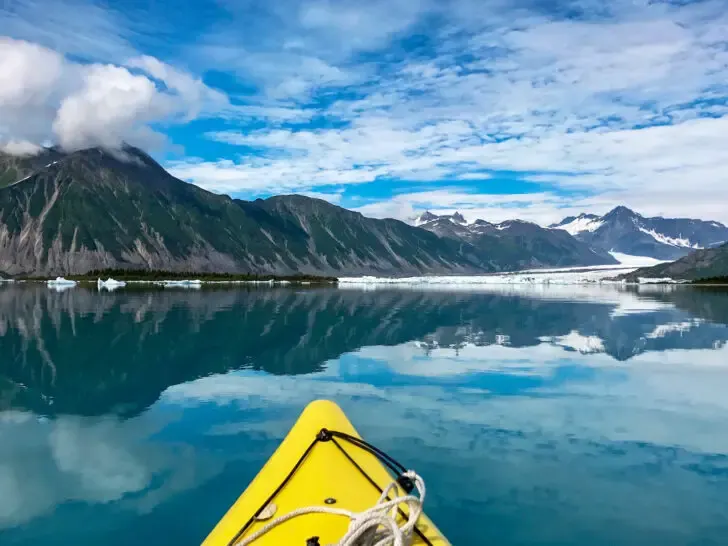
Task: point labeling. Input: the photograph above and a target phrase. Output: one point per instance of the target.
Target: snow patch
(680, 242)
(636, 261)
(580, 225)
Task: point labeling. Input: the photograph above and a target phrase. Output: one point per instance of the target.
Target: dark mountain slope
(344, 239)
(93, 210)
(701, 264)
(516, 244)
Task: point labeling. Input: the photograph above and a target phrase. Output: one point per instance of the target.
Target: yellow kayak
(334, 481)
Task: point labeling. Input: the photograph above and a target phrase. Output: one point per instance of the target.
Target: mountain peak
(621, 211)
(427, 217)
(423, 218)
(459, 218)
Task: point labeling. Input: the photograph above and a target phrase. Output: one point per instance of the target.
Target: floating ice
(110, 284)
(61, 282)
(182, 284)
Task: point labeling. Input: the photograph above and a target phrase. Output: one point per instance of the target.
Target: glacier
(636, 261)
(580, 275)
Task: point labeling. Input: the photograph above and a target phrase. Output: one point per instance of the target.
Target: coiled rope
(376, 526)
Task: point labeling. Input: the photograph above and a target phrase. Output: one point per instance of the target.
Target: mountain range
(521, 244)
(623, 230)
(70, 213)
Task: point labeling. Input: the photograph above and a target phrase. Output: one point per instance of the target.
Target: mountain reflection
(57, 355)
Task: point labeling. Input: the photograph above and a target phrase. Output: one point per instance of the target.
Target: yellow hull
(325, 473)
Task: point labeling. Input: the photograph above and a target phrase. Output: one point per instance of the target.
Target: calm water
(545, 417)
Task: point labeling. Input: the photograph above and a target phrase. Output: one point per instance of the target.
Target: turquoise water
(542, 416)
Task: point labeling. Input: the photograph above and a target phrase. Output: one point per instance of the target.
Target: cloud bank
(621, 104)
(393, 107)
(45, 97)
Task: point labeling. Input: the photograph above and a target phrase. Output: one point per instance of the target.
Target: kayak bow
(320, 477)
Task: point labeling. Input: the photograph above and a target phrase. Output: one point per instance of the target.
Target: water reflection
(86, 353)
(539, 416)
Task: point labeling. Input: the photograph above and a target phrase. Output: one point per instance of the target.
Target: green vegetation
(712, 280)
(151, 276)
(8, 177)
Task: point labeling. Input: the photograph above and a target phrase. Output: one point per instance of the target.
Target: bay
(537, 415)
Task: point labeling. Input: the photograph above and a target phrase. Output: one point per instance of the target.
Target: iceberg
(61, 282)
(110, 284)
(182, 284)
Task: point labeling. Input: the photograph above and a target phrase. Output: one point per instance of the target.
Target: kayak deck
(326, 473)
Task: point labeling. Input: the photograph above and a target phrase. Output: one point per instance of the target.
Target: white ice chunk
(61, 282)
(110, 284)
(181, 284)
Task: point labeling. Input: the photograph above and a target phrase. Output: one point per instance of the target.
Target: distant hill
(623, 230)
(700, 264)
(515, 243)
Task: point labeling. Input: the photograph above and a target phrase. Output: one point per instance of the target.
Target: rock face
(700, 264)
(71, 213)
(623, 230)
(516, 244)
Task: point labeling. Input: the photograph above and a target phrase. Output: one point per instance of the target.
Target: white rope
(376, 523)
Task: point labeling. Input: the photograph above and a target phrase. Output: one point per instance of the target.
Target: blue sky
(499, 109)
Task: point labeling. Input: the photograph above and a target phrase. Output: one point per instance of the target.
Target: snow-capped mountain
(578, 224)
(427, 217)
(623, 230)
(517, 244)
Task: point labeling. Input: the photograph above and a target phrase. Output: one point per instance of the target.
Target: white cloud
(20, 147)
(28, 73)
(191, 91)
(625, 102)
(44, 96)
(112, 106)
(474, 206)
(613, 104)
(85, 29)
(30, 77)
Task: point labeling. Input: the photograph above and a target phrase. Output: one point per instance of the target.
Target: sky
(532, 109)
